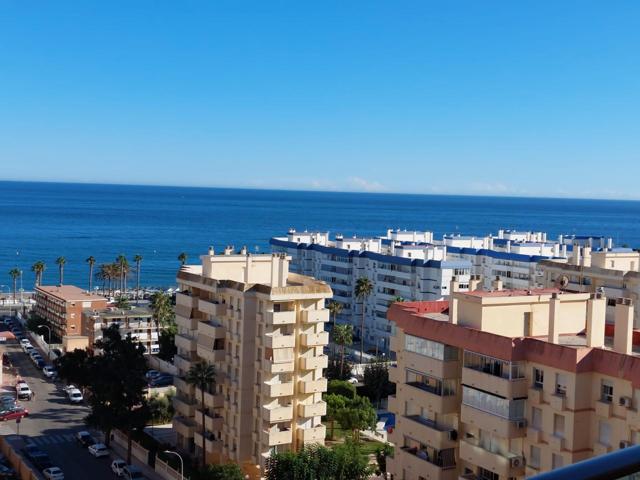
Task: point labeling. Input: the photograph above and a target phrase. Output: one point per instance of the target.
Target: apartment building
(615, 272)
(262, 327)
(135, 321)
(406, 265)
(505, 384)
(61, 307)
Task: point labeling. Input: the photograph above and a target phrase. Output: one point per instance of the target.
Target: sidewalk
(118, 451)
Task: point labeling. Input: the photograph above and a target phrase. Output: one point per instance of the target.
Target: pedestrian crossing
(53, 439)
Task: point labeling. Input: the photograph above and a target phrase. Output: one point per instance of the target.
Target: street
(53, 422)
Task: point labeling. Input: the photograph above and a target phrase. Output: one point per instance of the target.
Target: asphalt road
(53, 422)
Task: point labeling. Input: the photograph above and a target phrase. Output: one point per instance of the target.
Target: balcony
(212, 329)
(270, 366)
(272, 340)
(280, 318)
(313, 386)
(516, 388)
(184, 406)
(535, 396)
(186, 322)
(275, 436)
(430, 366)
(556, 443)
(312, 434)
(504, 427)
(558, 402)
(212, 422)
(430, 399)
(534, 435)
(604, 409)
(211, 444)
(275, 390)
(277, 414)
(507, 465)
(185, 300)
(211, 356)
(313, 363)
(182, 363)
(210, 400)
(315, 316)
(417, 464)
(182, 385)
(212, 308)
(312, 409)
(429, 432)
(184, 426)
(184, 342)
(314, 339)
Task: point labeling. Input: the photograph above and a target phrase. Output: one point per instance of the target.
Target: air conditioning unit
(625, 444)
(517, 462)
(625, 402)
(521, 424)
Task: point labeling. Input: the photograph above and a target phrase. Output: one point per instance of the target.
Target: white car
(24, 341)
(53, 473)
(99, 450)
(75, 396)
(26, 345)
(353, 380)
(68, 388)
(49, 371)
(117, 466)
(23, 391)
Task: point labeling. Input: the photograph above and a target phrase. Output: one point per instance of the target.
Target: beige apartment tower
(262, 328)
(505, 384)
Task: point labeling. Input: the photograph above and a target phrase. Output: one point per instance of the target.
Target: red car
(13, 414)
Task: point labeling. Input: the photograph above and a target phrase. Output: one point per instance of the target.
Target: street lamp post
(48, 344)
(181, 462)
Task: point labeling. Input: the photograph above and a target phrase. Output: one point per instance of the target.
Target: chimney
(585, 261)
(474, 282)
(453, 309)
(454, 286)
(243, 250)
(554, 318)
(623, 334)
(211, 252)
(596, 312)
(496, 284)
(228, 250)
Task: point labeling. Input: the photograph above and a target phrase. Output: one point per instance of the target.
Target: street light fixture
(48, 344)
(181, 462)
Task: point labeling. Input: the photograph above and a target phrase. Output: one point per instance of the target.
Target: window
(510, 409)
(493, 366)
(606, 391)
(556, 461)
(558, 425)
(534, 457)
(538, 378)
(429, 348)
(604, 433)
(536, 418)
(561, 384)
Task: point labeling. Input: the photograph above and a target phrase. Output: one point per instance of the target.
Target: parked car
(26, 346)
(66, 389)
(6, 472)
(85, 439)
(151, 374)
(49, 371)
(117, 466)
(163, 380)
(23, 391)
(24, 341)
(75, 396)
(39, 458)
(57, 352)
(131, 472)
(40, 363)
(99, 450)
(28, 349)
(53, 473)
(14, 413)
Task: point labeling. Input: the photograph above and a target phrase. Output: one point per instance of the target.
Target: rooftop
(70, 293)
(513, 293)
(114, 312)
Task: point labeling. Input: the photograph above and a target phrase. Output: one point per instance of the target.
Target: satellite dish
(562, 282)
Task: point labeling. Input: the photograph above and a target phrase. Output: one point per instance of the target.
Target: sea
(43, 221)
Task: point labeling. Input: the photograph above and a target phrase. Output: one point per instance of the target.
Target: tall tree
(163, 316)
(363, 289)
(203, 376)
(61, 261)
(15, 274)
(229, 471)
(38, 268)
(335, 309)
(91, 261)
(357, 415)
(335, 403)
(343, 336)
(123, 269)
(376, 381)
(138, 260)
(182, 258)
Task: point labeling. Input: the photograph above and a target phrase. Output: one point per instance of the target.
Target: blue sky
(497, 98)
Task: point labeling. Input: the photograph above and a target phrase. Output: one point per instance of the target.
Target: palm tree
(363, 289)
(335, 309)
(60, 261)
(138, 260)
(162, 310)
(15, 274)
(202, 375)
(38, 269)
(91, 261)
(103, 274)
(182, 258)
(343, 336)
(123, 268)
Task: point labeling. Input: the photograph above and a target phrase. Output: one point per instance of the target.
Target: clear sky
(479, 97)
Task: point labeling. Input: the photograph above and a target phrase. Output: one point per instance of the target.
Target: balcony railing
(444, 462)
(429, 423)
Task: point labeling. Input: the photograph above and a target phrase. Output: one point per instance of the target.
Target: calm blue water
(41, 221)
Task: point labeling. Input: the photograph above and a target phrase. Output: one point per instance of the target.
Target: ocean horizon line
(321, 191)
